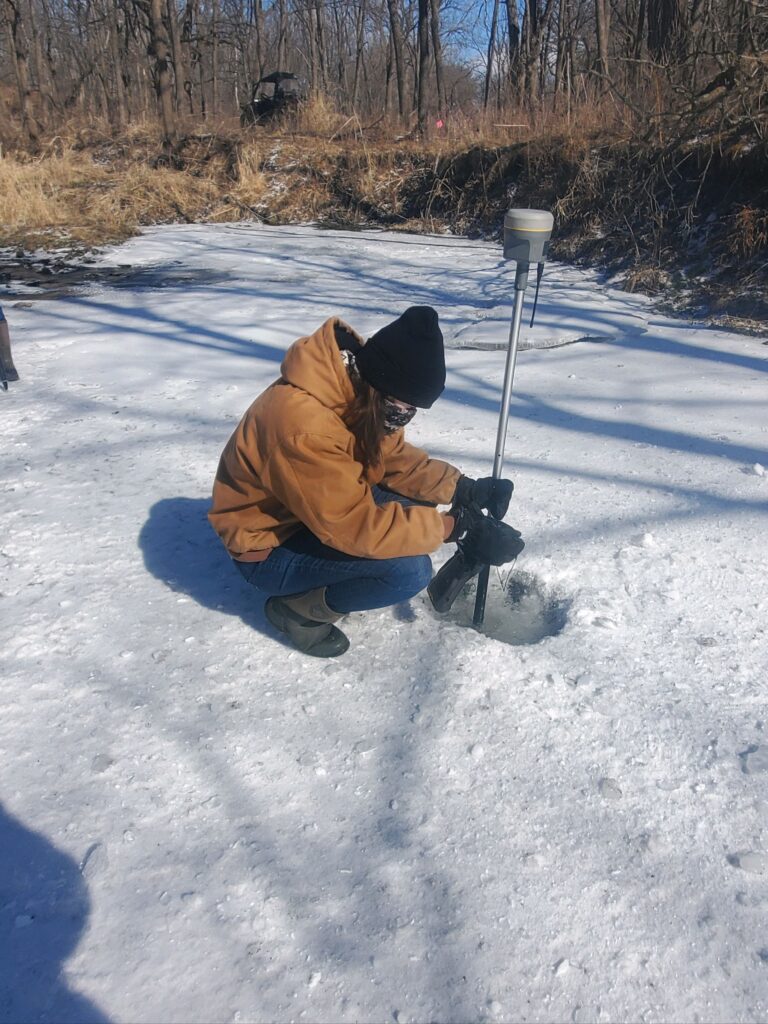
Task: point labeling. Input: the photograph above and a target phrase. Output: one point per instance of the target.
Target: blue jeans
(353, 584)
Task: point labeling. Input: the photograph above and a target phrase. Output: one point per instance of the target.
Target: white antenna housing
(527, 234)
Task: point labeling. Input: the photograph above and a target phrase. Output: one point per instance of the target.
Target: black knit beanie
(405, 359)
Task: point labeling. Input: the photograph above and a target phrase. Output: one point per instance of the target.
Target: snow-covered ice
(200, 824)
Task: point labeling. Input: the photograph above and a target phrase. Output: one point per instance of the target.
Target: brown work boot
(308, 622)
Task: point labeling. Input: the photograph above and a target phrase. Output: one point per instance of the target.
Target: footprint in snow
(592, 617)
(95, 861)
(101, 762)
(753, 861)
(754, 760)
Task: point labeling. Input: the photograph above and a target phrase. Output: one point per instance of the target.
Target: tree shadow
(354, 871)
(44, 908)
(534, 408)
(363, 871)
(180, 548)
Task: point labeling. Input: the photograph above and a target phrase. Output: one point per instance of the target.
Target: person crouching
(320, 501)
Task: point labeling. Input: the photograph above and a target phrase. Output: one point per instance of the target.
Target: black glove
(479, 541)
(487, 540)
(488, 493)
(464, 517)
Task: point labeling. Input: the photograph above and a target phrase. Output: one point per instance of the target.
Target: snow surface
(200, 824)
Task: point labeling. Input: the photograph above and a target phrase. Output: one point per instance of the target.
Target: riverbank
(687, 224)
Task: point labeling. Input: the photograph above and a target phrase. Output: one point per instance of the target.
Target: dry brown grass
(317, 117)
(91, 185)
(95, 187)
(67, 197)
(749, 233)
(144, 195)
(44, 196)
(618, 202)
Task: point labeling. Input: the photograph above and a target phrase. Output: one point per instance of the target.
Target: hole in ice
(520, 610)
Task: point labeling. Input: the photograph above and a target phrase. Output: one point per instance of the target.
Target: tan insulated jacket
(291, 461)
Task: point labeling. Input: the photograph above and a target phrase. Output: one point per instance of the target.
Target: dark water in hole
(520, 609)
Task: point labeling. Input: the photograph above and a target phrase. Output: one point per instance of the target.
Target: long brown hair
(365, 418)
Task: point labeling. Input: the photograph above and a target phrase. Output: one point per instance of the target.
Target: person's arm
(410, 471)
(319, 481)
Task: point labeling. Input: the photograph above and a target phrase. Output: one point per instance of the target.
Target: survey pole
(526, 240)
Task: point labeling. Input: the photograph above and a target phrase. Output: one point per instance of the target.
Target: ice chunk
(609, 789)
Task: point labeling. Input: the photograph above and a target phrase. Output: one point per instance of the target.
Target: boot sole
(331, 645)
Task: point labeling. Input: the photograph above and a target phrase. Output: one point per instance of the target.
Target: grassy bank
(688, 221)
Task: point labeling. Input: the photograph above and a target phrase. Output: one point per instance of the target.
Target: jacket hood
(314, 364)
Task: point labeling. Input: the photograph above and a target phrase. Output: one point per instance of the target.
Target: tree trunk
(39, 64)
(116, 59)
(537, 27)
(162, 71)
(635, 73)
(437, 50)
(513, 31)
(50, 63)
(423, 37)
(281, 33)
(490, 54)
(388, 75)
(305, 18)
(196, 63)
(532, 54)
(20, 63)
(561, 54)
(321, 55)
(359, 52)
(188, 58)
(667, 21)
(215, 57)
(341, 81)
(179, 74)
(258, 24)
(396, 35)
(602, 16)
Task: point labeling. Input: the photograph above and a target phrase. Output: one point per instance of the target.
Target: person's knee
(417, 574)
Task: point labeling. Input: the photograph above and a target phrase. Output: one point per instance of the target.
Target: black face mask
(396, 415)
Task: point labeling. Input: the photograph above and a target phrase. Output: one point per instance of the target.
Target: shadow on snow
(180, 548)
(44, 908)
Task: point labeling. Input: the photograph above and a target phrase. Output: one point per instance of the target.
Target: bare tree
(398, 49)
(17, 47)
(663, 62)
(215, 57)
(491, 53)
(179, 73)
(513, 38)
(159, 49)
(437, 52)
(667, 24)
(423, 66)
(602, 24)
